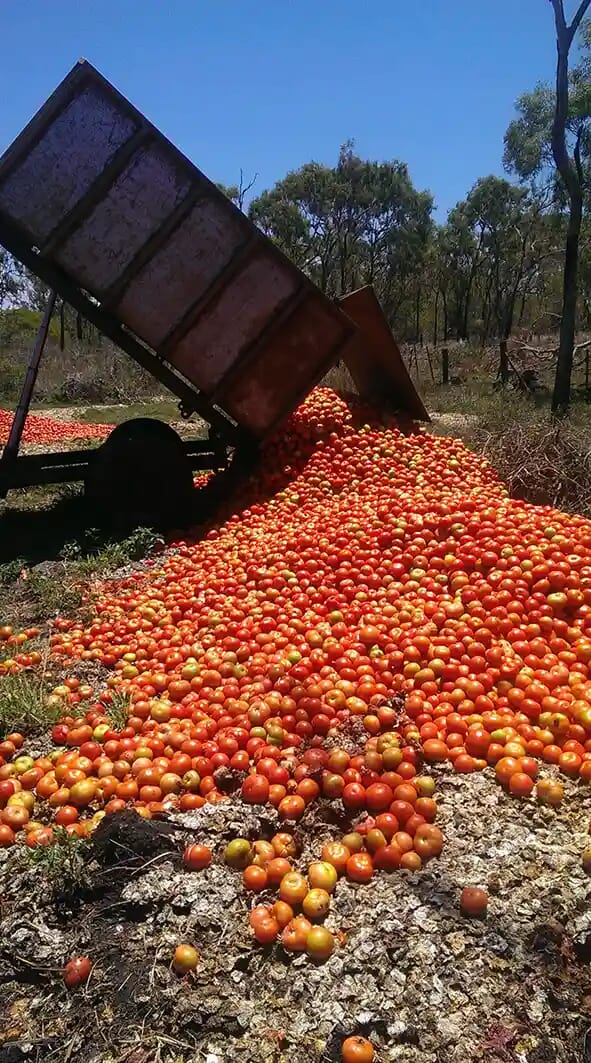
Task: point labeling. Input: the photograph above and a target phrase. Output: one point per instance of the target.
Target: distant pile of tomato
(373, 606)
(39, 428)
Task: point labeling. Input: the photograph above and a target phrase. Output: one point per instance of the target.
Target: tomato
(428, 841)
(549, 792)
(359, 867)
(255, 789)
(276, 869)
(284, 845)
(185, 959)
(336, 854)
(238, 853)
(295, 934)
(7, 836)
(374, 840)
(378, 797)
(357, 1050)
(435, 750)
(255, 878)
(403, 841)
(426, 807)
(282, 912)
(322, 874)
(319, 943)
(505, 768)
(353, 842)
(388, 858)
(411, 861)
(354, 796)
(316, 904)
(520, 784)
(77, 971)
(293, 888)
(266, 930)
(263, 853)
(387, 823)
(473, 901)
(197, 857)
(366, 588)
(292, 807)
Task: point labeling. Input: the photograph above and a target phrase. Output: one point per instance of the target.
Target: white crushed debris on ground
(426, 984)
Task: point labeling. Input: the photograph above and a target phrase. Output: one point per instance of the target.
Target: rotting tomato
(77, 971)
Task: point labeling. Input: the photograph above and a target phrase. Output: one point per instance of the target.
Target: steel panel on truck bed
(97, 202)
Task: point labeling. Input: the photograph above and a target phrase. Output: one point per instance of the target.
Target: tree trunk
(522, 307)
(564, 364)
(503, 363)
(435, 317)
(571, 172)
(418, 315)
(445, 318)
(444, 365)
(464, 329)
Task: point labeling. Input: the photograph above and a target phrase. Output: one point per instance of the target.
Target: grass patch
(59, 585)
(93, 557)
(163, 410)
(118, 710)
(63, 863)
(62, 590)
(53, 596)
(24, 706)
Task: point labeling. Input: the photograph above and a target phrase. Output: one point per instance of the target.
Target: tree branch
(564, 38)
(576, 22)
(559, 17)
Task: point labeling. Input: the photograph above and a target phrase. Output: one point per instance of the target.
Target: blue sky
(267, 85)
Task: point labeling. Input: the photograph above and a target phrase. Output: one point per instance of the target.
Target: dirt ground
(425, 983)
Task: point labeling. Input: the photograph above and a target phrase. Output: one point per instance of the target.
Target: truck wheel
(141, 475)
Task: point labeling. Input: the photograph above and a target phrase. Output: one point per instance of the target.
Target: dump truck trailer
(118, 222)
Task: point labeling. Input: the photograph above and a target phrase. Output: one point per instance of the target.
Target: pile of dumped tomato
(375, 605)
(46, 430)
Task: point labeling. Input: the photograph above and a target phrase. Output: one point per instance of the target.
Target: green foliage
(10, 571)
(527, 140)
(357, 222)
(12, 278)
(20, 323)
(528, 151)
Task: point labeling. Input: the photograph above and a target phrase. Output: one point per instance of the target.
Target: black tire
(141, 475)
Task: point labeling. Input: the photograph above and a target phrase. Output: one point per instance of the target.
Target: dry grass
(542, 462)
(84, 372)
